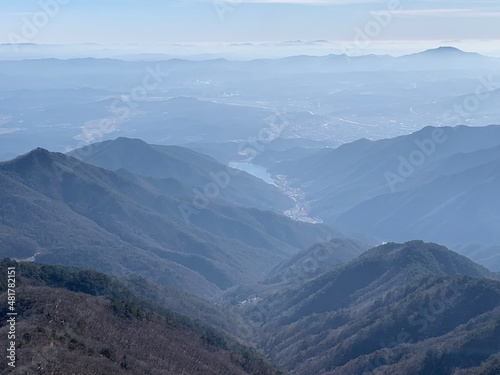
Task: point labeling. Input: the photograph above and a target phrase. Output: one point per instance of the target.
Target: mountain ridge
(135, 226)
(397, 189)
(382, 313)
(190, 168)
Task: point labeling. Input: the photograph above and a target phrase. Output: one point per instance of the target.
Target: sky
(354, 26)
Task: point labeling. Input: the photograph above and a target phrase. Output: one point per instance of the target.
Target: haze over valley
(247, 197)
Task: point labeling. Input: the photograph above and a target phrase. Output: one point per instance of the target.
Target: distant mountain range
(442, 58)
(437, 184)
(413, 308)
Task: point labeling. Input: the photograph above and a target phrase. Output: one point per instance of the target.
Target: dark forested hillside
(83, 322)
(412, 308)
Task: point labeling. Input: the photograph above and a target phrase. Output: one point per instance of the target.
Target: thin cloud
(443, 13)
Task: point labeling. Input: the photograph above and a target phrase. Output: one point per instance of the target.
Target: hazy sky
(152, 22)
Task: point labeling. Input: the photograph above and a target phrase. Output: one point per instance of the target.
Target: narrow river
(300, 212)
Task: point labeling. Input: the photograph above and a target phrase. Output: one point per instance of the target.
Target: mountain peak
(37, 157)
(433, 258)
(129, 140)
(447, 51)
(38, 152)
(121, 145)
(444, 52)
